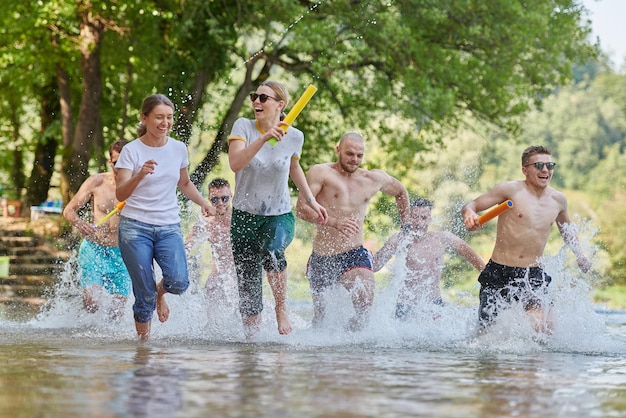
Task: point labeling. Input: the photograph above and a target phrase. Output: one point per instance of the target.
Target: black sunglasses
(114, 162)
(215, 200)
(262, 97)
(539, 165)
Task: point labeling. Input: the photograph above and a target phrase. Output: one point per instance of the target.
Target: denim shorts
(103, 266)
(258, 241)
(141, 244)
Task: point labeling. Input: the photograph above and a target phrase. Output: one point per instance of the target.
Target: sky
(608, 23)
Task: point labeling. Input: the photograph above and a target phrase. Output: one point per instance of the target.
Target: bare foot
(163, 310)
(143, 330)
(356, 323)
(251, 326)
(284, 326)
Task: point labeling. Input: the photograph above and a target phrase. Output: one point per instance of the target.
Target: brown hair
(534, 150)
(148, 104)
(218, 183)
(117, 146)
(420, 202)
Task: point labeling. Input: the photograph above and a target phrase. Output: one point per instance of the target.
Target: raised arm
(470, 210)
(393, 187)
(126, 182)
(570, 237)
(464, 250)
(80, 199)
(240, 155)
(387, 251)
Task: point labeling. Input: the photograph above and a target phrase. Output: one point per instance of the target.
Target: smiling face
(159, 121)
(270, 110)
(538, 177)
(220, 198)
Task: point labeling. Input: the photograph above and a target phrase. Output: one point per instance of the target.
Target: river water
(64, 362)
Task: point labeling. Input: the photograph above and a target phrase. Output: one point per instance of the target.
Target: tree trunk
(45, 150)
(88, 131)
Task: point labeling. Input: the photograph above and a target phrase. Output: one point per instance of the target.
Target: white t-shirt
(154, 200)
(262, 187)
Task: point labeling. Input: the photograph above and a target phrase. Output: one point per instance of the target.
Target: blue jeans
(140, 244)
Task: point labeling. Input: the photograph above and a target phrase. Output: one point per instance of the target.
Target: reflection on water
(66, 362)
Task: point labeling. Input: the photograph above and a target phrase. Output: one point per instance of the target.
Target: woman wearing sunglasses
(514, 273)
(263, 223)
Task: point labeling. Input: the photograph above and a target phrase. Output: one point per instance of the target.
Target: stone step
(37, 281)
(42, 257)
(21, 292)
(35, 269)
(25, 251)
(19, 241)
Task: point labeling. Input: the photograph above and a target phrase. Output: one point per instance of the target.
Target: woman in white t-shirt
(262, 223)
(148, 171)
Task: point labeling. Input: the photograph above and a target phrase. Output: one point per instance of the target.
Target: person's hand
(276, 132)
(86, 228)
(322, 214)
(207, 209)
(470, 219)
(347, 226)
(583, 263)
(148, 167)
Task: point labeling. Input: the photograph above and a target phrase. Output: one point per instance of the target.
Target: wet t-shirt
(261, 188)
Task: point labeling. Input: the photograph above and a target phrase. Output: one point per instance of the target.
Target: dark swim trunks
(502, 285)
(324, 271)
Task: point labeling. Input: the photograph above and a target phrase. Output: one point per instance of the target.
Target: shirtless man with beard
(338, 257)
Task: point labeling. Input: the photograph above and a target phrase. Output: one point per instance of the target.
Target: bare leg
(163, 310)
(540, 320)
(318, 308)
(278, 283)
(251, 326)
(89, 300)
(360, 283)
(116, 309)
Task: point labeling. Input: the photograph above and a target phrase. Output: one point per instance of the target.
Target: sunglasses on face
(539, 165)
(215, 200)
(114, 162)
(262, 97)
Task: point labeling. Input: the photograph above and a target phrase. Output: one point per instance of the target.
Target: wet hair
(281, 92)
(534, 150)
(420, 202)
(218, 183)
(117, 146)
(148, 104)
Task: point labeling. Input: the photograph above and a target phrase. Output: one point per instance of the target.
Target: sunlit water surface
(66, 362)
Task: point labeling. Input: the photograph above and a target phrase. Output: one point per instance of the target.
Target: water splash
(578, 325)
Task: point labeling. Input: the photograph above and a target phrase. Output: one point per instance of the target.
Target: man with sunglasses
(216, 230)
(99, 258)
(514, 273)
